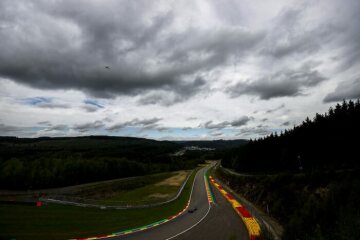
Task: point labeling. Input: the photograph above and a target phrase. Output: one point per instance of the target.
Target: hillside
(91, 146)
(54, 162)
(328, 142)
(307, 177)
(33, 163)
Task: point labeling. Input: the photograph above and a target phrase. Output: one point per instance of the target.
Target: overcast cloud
(280, 84)
(143, 124)
(215, 69)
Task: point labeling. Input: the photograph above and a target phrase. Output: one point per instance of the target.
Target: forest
(308, 177)
(56, 162)
(309, 206)
(327, 142)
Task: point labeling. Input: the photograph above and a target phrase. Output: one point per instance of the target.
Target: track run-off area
(210, 213)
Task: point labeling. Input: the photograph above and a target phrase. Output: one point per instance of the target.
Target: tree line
(310, 206)
(56, 162)
(311, 183)
(327, 142)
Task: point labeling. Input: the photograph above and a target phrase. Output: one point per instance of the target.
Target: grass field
(159, 191)
(64, 222)
(124, 191)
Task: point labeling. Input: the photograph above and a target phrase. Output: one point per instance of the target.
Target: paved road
(221, 223)
(216, 222)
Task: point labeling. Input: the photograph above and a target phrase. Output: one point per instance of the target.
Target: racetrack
(215, 221)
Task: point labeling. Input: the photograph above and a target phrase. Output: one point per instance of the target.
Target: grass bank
(310, 206)
(163, 190)
(63, 222)
(141, 190)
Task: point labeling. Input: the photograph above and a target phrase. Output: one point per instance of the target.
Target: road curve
(218, 221)
(185, 221)
(222, 222)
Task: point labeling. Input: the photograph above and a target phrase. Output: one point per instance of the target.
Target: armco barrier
(250, 222)
(82, 202)
(151, 225)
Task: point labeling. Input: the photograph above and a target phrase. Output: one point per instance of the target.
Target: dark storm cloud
(345, 90)
(88, 126)
(109, 49)
(150, 123)
(285, 83)
(236, 123)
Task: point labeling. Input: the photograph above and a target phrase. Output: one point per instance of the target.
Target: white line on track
(188, 229)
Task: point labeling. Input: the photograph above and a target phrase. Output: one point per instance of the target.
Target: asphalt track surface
(219, 221)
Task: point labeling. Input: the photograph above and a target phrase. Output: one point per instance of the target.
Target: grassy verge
(129, 191)
(63, 222)
(155, 192)
(143, 195)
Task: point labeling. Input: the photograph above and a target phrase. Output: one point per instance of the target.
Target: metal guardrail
(84, 202)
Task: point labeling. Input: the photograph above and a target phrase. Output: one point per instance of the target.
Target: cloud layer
(92, 47)
(285, 83)
(345, 90)
(173, 70)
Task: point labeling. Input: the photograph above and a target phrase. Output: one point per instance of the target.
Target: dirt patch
(175, 180)
(159, 195)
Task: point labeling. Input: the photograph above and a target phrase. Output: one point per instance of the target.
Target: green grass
(64, 222)
(126, 190)
(99, 189)
(135, 191)
(142, 195)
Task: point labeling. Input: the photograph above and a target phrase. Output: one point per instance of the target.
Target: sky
(173, 69)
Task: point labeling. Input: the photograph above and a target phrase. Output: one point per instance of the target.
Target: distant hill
(82, 140)
(53, 162)
(90, 146)
(45, 162)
